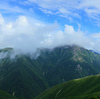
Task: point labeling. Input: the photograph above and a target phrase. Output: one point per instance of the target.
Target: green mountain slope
(5, 95)
(21, 77)
(69, 62)
(83, 88)
(27, 77)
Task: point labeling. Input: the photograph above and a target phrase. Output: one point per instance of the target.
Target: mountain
(83, 88)
(27, 75)
(69, 62)
(5, 95)
(21, 76)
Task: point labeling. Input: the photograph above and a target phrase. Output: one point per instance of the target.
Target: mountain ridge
(28, 76)
(82, 88)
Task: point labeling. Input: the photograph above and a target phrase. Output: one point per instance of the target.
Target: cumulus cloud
(28, 34)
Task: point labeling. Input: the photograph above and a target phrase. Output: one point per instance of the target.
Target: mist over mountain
(46, 43)
(27, 75)
(27, 34)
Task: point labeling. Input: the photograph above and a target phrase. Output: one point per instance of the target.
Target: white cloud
(62, 7)
(69, 29)
(70, 8)
(28, 34)
(10, 7)
(25, 34)
(1, 20)
(6, 8)
(96, 35)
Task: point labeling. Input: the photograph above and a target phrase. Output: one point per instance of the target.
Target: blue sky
(49, 23)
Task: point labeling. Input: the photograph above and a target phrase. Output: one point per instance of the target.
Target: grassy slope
(5, 95)
(84, 88)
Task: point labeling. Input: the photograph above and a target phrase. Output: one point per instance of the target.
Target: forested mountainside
(27, 76)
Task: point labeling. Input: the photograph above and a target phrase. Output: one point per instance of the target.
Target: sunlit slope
(83, 88)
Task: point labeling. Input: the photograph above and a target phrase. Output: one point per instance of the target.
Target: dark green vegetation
(27, 77)
(67, 63)
(5, 95)
(21, 76)
(83, 88)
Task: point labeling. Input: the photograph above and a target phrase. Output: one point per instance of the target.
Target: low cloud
(26, 34)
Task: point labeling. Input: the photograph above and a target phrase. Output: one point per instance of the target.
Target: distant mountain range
(27, 77)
